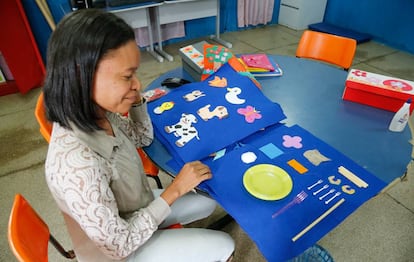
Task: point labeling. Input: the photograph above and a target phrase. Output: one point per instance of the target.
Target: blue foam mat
(335, 30)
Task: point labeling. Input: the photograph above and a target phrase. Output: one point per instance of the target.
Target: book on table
(261, 65)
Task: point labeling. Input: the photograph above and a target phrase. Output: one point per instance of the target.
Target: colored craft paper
(216, 56)
(257, 61)
(270, 69)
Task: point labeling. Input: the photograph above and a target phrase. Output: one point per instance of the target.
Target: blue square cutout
(271, 150)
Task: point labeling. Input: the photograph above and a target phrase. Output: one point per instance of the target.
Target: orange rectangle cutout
(297, 166)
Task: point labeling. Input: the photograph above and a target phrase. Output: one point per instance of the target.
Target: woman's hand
(192, 174)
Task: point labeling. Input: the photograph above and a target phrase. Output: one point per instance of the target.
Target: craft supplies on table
(261, 65)
(202, 59)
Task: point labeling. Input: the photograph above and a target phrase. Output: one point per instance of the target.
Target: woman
(92, 167)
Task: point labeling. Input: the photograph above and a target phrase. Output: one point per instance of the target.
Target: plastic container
(315, 253)
(400, 119)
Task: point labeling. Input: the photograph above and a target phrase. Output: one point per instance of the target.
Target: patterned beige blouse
(99, 184)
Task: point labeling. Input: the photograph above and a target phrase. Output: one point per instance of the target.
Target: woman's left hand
(190, 176)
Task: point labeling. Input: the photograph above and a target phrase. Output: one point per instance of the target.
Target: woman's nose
(136, 83)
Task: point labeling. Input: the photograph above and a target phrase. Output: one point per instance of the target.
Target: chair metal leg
(157, 180)
(68, 254)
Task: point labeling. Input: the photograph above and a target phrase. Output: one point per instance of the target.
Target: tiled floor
(381, 230)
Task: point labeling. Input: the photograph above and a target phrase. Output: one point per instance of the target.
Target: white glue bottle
(400, 119)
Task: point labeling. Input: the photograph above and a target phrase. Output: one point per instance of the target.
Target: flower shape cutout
(292, 141)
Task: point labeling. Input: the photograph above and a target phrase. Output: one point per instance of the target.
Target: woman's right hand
(190, 176)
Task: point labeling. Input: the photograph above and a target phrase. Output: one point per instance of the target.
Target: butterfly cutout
(250, 114)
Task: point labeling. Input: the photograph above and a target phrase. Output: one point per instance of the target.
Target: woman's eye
(129, 77)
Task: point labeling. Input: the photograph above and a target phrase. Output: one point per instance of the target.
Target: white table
(182, 10)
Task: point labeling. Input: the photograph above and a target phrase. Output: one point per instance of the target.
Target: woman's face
(116, 86)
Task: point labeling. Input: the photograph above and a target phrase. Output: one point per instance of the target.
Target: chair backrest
(45, 125)
(29, 235)
(328, 48)
(149, 167)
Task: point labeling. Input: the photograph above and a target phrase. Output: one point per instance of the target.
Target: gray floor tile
(397, 64)
(403, 192)
(381, 230)
(288, 50)
(369, 68)
(32, 185)
(371, 49)
(266, 38)
(22, 146)
(17, 102)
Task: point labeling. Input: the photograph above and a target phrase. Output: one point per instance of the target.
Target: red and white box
(377, 90)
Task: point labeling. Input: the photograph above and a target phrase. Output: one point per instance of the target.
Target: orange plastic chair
(333, 49)
(29, 235)
(150, 169)
(45, 125)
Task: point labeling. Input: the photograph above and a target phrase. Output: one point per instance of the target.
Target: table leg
(158, 48)
(150, 48)
(216, 37)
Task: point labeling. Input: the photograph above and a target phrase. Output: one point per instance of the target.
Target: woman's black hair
(79, 42)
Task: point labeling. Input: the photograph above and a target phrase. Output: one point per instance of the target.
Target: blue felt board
(335, 30)
(273, 236)
(203, 117)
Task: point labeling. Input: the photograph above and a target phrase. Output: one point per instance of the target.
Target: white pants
(186, 244)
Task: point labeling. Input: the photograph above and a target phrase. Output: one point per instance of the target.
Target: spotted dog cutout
(184, 129)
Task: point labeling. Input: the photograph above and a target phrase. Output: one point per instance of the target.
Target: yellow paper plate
(267, 182)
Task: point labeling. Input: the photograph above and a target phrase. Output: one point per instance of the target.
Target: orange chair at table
(29, 235)
(333, 49)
